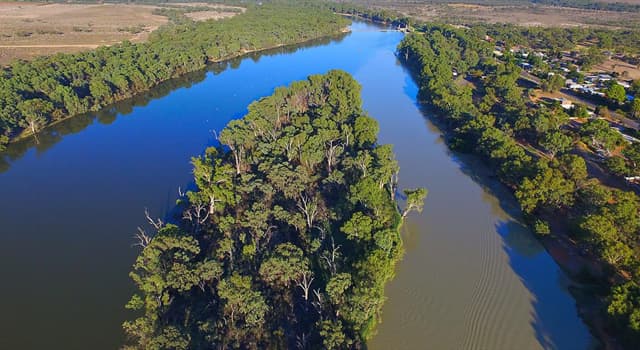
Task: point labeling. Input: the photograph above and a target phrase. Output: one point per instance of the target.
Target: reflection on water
(472, 278)
(54, 134)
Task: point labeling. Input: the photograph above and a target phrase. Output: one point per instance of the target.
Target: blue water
(473, 277)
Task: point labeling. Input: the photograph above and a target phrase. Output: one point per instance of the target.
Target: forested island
(36, 93)
(290, 236)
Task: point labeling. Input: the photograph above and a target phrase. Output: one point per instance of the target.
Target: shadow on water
(53, 134)
(527, 257)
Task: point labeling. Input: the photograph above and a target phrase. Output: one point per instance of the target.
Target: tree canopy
(288, 239)
(49, 88)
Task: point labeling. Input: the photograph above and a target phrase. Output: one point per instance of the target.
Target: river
(472, 277)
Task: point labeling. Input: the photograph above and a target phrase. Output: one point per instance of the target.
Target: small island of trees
(290, 236)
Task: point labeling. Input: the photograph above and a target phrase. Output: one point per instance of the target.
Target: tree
(415, 200)
(603, 112)
(601, 135)
(617, 165)
(166, 268)
(4, 140)
(632, 153)
(556, 142)
(548, 188)
(579, 111)
(360, 226)
(616, 93)
(291, 231)
(35, 113)
(286, 264)
(624, 304)
(244, 306)
(574, 168)
(635, 107)
(553, 83)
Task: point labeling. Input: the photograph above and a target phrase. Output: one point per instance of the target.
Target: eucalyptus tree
(290, 235)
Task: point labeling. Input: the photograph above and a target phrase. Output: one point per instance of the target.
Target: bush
(541, 227)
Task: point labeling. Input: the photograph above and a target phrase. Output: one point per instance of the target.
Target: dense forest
(36, 93)
(493, 118)
(288, 239)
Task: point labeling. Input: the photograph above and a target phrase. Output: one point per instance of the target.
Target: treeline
(556, 38)
(36, 93)
(560, 39)
(592, 5)
(290, 236)
(492, 117)
(578, 4)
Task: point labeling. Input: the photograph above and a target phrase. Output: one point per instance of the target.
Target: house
(624, 84)
(526, 66)
(565, 103)
(604, 77)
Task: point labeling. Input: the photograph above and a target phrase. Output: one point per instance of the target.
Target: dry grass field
(518, 13)
(32, 29)
(613, 65)
(216, 12)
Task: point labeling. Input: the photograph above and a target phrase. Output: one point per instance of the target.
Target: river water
(472, 278)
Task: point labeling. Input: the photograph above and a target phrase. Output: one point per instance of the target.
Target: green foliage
(547, 188)
(632, 154)
(541, 227)
(635, 107)
(289, 237)
(556, 142)
(616, 92)
(579, 111)
(553, 83)
(625, 304)
(498, 122)
(600, 135)
(35, 93)
(415, 200)
(617, 166)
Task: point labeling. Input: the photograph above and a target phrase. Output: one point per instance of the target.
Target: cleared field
(623, 68)
(521, 14)
(207, 15)
(214, 12)
(33, 29)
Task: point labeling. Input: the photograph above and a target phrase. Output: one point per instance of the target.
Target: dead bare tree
(309, 207)
(142, 238)
(302, 342)
(333, 147)
(331, 255)
(157, 223)
(317, 303)
(197, 215)
(305, 283)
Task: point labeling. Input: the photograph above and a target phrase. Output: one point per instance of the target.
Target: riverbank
(564, 251)
(27, 133)
(44, 90)
(452, 288)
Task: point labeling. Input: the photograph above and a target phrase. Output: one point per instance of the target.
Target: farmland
(516, 12)
(33, 29)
